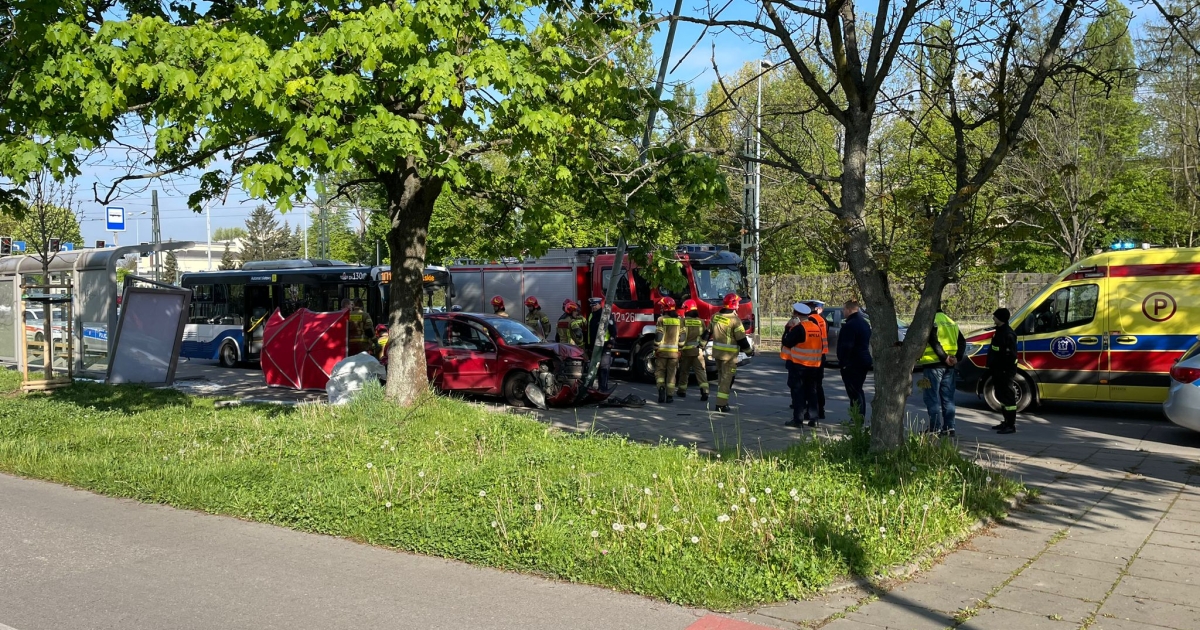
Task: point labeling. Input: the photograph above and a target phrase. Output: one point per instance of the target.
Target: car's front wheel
(514, 388)
(1021, 387)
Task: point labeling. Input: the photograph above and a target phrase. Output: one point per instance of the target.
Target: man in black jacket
(1002, 366)
(610, 333)
(854, 354)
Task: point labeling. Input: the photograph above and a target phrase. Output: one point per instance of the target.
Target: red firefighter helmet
(570, 306)
(732, 300)
(531, 302)
(666, 303)
(690, 305)
(381, 329)
(497, 302)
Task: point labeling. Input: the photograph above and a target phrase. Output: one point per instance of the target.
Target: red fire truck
(578, 274)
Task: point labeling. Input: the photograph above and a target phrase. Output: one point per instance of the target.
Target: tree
(408, 95)
(171, 268)
(265, 239)
(228, 261)
(988, 64)
(229, 233)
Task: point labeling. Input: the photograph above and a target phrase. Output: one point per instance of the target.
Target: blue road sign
(18, 246)
(67, 247)
(114, 219)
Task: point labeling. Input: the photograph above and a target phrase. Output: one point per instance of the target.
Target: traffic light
(99, 244)
(55, 244)
(145, 253)
(5, 245)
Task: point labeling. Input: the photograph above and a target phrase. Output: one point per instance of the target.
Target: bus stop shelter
(92, 275)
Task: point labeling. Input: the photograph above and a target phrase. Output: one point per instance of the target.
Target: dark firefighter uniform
(1002, 367)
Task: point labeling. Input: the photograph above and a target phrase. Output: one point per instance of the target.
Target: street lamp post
(756, 213)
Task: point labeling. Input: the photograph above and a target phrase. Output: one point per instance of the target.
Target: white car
(1183, 399)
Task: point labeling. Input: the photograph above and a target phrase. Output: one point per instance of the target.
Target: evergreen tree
(264, 239)
(228, 262)
(171, 268)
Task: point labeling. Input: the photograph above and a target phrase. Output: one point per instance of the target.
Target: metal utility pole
(208, 230)
(756, 240)
(157, 234)
(305, 233)
(610, 293)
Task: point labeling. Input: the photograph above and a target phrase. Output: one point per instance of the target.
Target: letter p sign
(1158, 307)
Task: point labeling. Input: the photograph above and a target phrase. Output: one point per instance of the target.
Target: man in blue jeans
(944, 350)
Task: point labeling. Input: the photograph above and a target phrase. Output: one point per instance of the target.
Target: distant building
(193, 258)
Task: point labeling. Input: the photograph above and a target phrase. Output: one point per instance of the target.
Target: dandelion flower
(767, 491)
(482, 493)
(646, 490)
(696, 539)
(495, 524)
(913, 468)
(892, 492)
(723, 518)
(595, 534)
(659, 528)
(641, 526)
(654, 475)
(593, 512)
(388, 505)
(753, 500)
(793, 492)
(572, 466)
(392, 449)
(420, 473)
(796, 498)
(763, 520)
(436, 433)
(742, 490)
(370, 465)
(385, 442)
(882, 530)
(989, 480)
(925, 507)
(720, 485)
(617, 527)
(847, 517)
(537, 507)
(733, 508)
(675, 509)
(885, 501)
(165, 458)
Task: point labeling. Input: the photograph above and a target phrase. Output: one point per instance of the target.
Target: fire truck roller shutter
(469, 287)
(507, 284)
(550, 287)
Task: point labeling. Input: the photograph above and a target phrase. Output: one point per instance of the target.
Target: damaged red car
(497, 356)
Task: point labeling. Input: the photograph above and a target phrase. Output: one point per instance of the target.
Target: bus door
(260, 303)
(1062, 342)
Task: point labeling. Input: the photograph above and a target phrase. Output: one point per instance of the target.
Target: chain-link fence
(970, 302)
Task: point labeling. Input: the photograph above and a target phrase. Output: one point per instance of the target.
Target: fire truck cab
(711, 273)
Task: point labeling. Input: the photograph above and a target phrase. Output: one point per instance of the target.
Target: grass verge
(450, 479)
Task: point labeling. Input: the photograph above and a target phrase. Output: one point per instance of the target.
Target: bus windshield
(714, 283)
(515, 333)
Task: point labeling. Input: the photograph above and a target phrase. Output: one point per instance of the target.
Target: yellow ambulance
(1108, 328)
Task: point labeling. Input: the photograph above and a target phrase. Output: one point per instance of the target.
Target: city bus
(229, 308)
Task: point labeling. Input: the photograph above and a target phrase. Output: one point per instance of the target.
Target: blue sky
(179, 223)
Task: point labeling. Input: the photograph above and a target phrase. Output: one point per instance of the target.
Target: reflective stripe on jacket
(808, 352)
(666, 336)
(694, 331)
(947, 337)
(727, 332)
(824, 326)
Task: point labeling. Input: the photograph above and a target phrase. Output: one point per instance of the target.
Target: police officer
(498, 306)
(667, 331)
(728, 336)
(818, 308)
(536, 319)
(1002, 366)
(804, 342)
(571, 328)
(691, 355)
(793, 333)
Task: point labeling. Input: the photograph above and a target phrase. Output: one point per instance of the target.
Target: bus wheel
(1022, 387)
(514, 388)
(643, 364)
(228, 354)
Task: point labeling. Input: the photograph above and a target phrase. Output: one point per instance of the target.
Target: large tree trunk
(410, 200)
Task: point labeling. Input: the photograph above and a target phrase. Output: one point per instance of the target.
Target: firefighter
(666, 349)
(818, 307)
(804, 343)
(1002, 366)
(498, 306)
(572, 327)
(381, 340)
(691, 355)
(728, 337)
(536, 319)
(361, 328)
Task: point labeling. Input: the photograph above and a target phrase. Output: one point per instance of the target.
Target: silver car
(1183, 399)
(833, 320)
